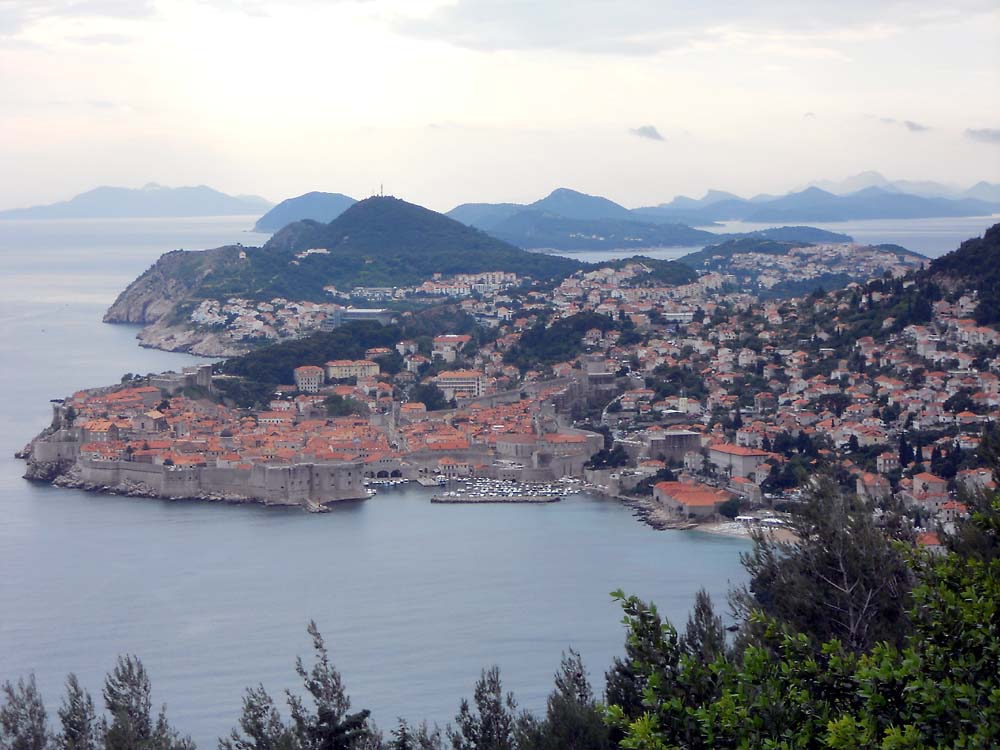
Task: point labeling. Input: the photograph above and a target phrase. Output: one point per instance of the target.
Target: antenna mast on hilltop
(381, 190)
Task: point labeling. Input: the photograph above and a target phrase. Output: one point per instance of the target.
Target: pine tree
(127, 698)
(490, 726)
(80, 729)
(402, 737)
(704, 637)
(840, 578)
(260, 725)
(328, 726)
(22, 717)
(572, 718)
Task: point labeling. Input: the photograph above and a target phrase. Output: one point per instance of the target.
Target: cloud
(113, 39)
(810, 115)
(18, 15)
(984, 135)
(913, 127)
(644, 27)
(647, 131)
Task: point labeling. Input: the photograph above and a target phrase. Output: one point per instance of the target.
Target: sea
(414, 599)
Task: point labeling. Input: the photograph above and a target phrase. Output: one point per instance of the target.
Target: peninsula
(687, 400)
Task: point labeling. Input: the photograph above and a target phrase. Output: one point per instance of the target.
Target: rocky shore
(182, 338)
(652, 513)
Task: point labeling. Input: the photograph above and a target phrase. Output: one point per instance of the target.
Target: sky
(448, 101)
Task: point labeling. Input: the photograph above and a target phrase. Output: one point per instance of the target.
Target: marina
(504, 491)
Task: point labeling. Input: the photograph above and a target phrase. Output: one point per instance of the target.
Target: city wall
(297, 484)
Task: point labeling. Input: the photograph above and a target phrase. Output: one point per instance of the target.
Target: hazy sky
(446, 101)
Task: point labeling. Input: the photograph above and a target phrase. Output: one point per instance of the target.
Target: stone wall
(297, 484)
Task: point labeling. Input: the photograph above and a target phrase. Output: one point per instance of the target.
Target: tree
(430, 396)
(608, 459)
(327, 726)
(260, 725)
(402, 737)
(730, 508)
(127, 698)
(22, 717)
(572, 717)
(490, 726)
(905, 452)
(939, 689)
(80, 728)
(704, 637)
(841, 577)
(340, 406)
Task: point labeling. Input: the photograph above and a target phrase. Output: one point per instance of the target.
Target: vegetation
(713, 256)
(562, 341)
(339, 406)
(608, 459)
(384, 241)
(794, 689)
(430, 396)
(977, 262)
(275, 364)
(129, 722)
(661, 272)
(257, 373)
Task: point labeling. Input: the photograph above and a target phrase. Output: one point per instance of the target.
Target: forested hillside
(976, 264)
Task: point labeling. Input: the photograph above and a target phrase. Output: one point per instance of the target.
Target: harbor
(505, 491)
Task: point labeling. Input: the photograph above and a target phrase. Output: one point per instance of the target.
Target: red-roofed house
(689, 500)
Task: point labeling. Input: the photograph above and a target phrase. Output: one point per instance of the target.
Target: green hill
(976, 265)
(376, 242)
(385, 241)
(714, 256)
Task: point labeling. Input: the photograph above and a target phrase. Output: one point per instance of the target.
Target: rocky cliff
(162, 296)
(173, 279)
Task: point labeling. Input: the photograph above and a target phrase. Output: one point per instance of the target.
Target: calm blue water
(413, 598)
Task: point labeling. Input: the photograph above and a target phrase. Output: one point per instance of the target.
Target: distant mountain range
(324, 207)
(150, 201)
(983, 191)
(568, 220)
(816, 204)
